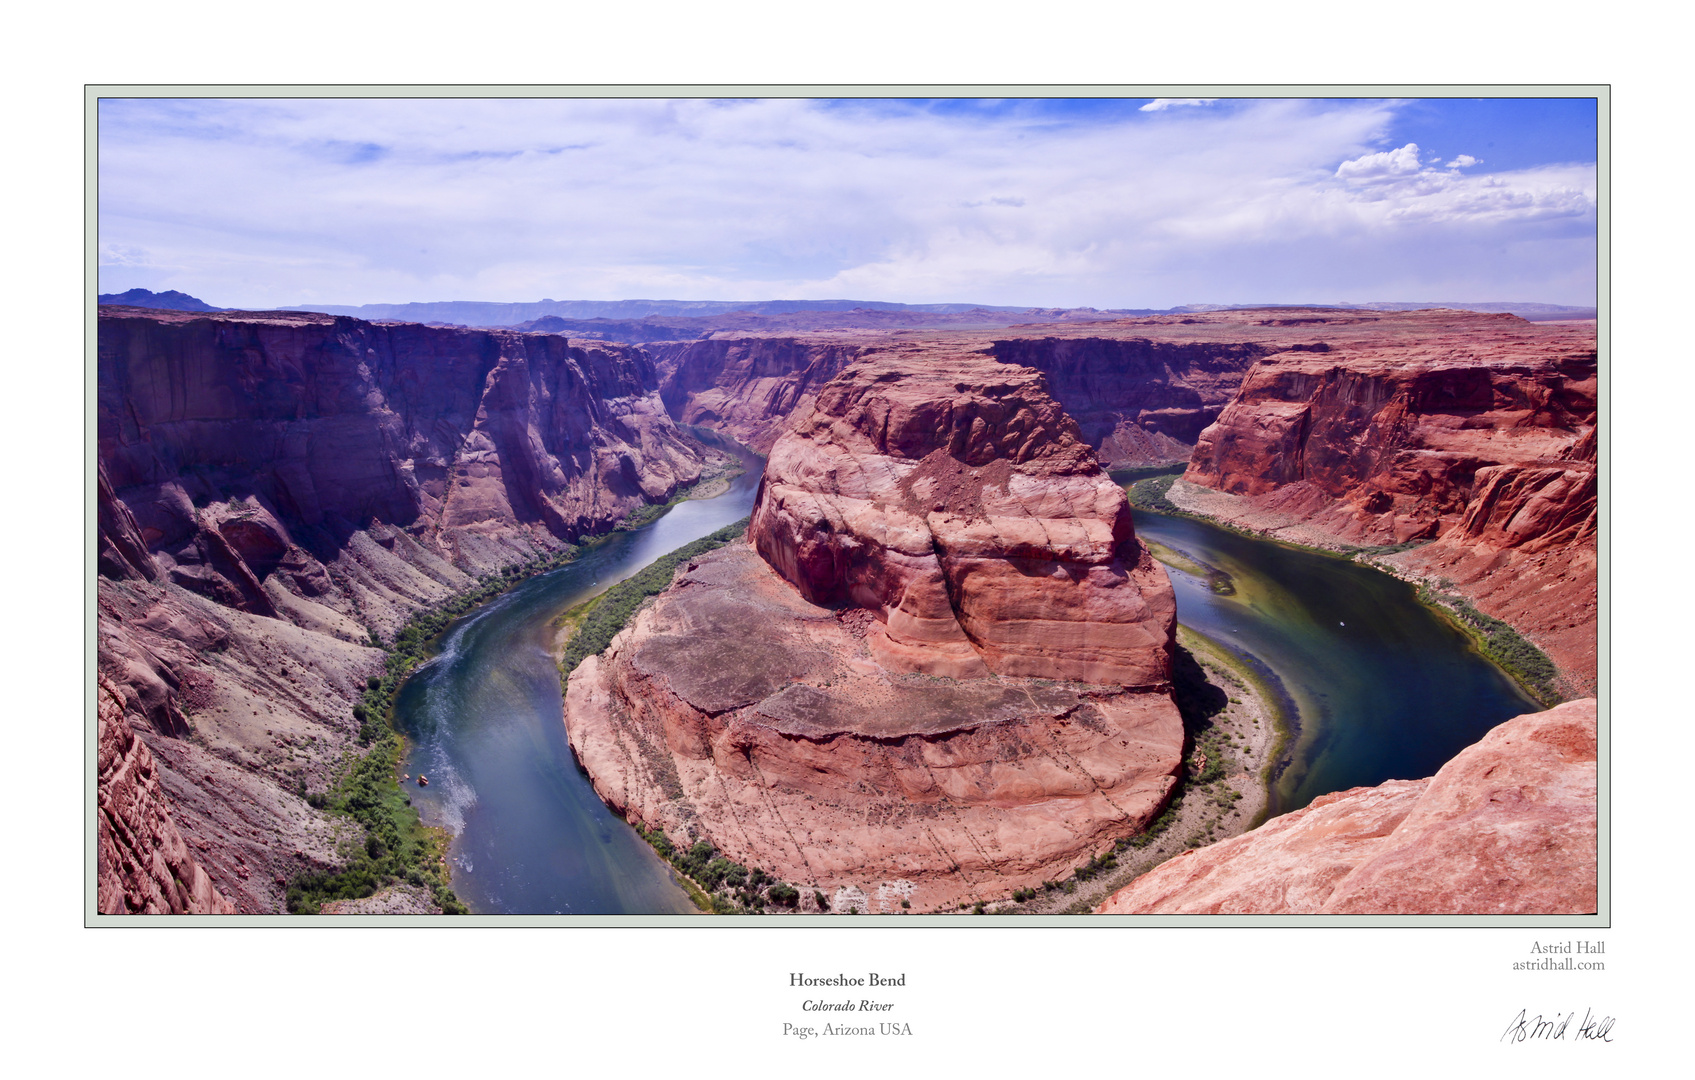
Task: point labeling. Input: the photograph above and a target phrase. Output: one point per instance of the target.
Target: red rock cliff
(1477, 432)
(956, 501)
(868, 703)
(273, 487)
(1508, 827)
(1137, 400)
(748, 388)
(144, 865)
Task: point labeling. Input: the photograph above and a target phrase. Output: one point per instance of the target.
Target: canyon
(937, 671)
(275, 490)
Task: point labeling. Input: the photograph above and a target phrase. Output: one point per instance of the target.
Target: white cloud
(1385, 166)
(1464, 161)
(268, 202)
(1158, 104)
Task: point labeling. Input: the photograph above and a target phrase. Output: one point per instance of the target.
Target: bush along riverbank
(721, 886)
(705, 488)
(1505, 647)
(398, 846)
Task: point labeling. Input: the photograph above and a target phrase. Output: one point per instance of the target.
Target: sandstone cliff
(272, 488)
(1507, 827)
(144, 865)
(1477, 432)
(939, 674)
(1136, 400)
(747, 388)
(956, 501)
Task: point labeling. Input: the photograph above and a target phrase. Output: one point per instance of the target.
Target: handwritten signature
(1525, 1028)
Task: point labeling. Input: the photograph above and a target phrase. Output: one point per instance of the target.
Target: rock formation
(747, 388)
(1137, 401)
(272, 488)
(1477, 432)
(144, 865)
(956, 501)
(938, 673)
(1508, 827)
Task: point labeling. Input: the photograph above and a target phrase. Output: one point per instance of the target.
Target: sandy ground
(400, 899)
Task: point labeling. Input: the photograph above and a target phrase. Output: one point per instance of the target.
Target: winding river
(485, 721)
(1383, 688)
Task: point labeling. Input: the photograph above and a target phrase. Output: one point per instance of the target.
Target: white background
(710, 1002)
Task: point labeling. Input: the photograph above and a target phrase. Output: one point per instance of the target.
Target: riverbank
(715, 482)
(1505, 645)
(374, 787)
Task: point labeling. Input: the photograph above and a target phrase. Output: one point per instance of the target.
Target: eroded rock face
(956, 501)
(144, 865)
(273, 487)
(1507, 827)
(734, 710)
(488, 446)
(1473, 431)
(748, 388)
(1136, 400)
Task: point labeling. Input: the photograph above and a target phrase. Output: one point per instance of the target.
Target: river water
(1382, 688)
(485, 720)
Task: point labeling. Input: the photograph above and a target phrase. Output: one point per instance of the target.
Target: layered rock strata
(1508, 827)
(938, 672)
(1138, 401)
(274, 487)
(956, 501)
(735, 711)
(1477, 432)
(748, 388)
(143, 863)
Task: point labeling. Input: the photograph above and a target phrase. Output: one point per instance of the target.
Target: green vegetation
(1219, 581)
(721, 886)
(1359, 553)
(398, 846)
(1151, 495)
(1498, 641)
(613, 609)
(1129, 474)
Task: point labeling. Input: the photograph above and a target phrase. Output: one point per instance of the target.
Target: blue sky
(1131, 202)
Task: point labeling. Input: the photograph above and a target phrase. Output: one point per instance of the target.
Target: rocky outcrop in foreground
(734, 711)
(939, 674)
(1508, 827)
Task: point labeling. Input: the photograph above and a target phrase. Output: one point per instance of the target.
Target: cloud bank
(269, 202)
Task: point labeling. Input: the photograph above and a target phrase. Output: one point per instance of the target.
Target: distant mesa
(170, 300)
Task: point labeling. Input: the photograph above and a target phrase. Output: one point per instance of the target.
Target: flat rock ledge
(734, 711)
